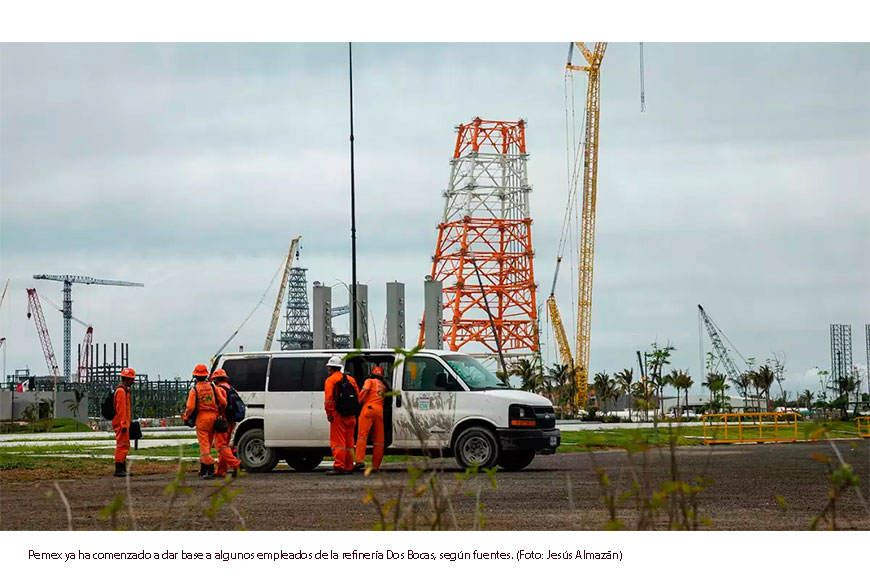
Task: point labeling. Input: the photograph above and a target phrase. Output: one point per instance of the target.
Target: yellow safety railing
(750, 427)
(864, 426)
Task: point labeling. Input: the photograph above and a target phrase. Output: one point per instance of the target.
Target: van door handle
(398, 401)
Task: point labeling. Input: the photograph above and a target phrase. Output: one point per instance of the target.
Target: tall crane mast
(587, 215)
(275, 313)
(719, 348)
(34, 310)
(68, 281)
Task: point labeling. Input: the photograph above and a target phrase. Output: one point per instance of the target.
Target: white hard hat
(335, 361)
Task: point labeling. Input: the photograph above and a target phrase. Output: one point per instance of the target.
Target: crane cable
(259, 303)
(85, 324)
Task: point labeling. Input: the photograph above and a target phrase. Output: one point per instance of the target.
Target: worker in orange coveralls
(340, 427)
(226, 459)
(121, 421)
(371, 418)
(210, 403)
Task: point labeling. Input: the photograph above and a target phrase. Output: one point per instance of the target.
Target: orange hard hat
(200, 370)
(219, 373)
(378, 372)
(128, 373)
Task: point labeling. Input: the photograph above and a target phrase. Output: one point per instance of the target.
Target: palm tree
(604, 388)
(560, 384)
(625, 379)
(680, 380)
(805, 399)
(527, 371)
(716, 384)
(762, 380)
(74, 405)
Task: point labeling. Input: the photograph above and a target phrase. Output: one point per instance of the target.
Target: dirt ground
(555, 493)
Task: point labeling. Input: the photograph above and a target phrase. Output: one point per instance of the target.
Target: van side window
(421, 374)
(247, 374)
(285, 374)
(314, 375)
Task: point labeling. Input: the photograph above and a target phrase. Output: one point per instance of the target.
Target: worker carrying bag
(235, 406)
(346, 398)
(107, 407)
(191, 419)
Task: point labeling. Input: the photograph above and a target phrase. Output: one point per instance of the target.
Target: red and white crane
(34, 310)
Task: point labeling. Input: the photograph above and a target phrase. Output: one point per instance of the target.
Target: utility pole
(354, 307)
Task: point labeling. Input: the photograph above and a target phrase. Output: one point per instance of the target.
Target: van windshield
(475, 375)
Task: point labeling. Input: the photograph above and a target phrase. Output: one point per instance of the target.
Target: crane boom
(719, 347)
(587, 229)
(71, 279)
(34, 310)
(559, 331)
(275, 313)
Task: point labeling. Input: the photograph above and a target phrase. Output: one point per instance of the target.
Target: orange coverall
(209, 410)
(226, 459)
(340, 428)
(371, 419)
(121, 423)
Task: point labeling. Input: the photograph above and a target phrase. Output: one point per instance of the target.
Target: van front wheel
(253, 453)
(515, 460)
(476, 445)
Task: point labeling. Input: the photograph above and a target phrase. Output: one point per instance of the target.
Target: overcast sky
(745, 187)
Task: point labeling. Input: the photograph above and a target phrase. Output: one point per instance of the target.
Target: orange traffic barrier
(750, 427)
(864, 427)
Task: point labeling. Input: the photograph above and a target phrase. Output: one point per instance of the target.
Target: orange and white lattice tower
(483, 256)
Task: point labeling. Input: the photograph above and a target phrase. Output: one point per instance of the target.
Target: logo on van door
(423, 401)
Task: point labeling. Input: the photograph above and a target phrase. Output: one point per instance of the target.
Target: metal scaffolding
(841, 352)
(483, 254)
(298, 334)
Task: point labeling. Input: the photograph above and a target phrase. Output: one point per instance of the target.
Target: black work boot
(209, 471)
(203, 468)
(120, 469)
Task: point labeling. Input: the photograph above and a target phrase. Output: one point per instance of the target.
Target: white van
(445, 404)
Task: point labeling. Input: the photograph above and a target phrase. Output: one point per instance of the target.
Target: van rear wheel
(476, 445)
(253, 453)
(304, 462)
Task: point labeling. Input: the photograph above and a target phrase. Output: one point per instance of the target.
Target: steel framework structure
(841, 352)
(298, 334)
(486, 229)
(68, 281)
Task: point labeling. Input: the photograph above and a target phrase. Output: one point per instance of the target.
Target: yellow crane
(580, 362)
(275, 313)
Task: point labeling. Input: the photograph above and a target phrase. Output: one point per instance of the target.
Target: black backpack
(346, 398)
(235, 406)
(107, 408)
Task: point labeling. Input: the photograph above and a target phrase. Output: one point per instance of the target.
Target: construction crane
(85, 355)
(589, 183)
(275, 313)
(68, 281)
(34, 310)
(719, 348)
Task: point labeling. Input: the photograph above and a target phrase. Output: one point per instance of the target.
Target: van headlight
(521, 416)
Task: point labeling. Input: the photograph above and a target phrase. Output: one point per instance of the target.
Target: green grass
(44, 426)
(687, 435)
